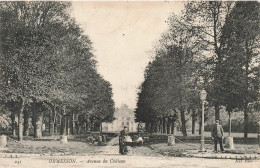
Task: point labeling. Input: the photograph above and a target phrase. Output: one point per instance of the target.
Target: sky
(123, 33)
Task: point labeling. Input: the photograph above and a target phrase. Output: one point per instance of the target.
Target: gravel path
(81, 154)
(112, 148)
(74, 148)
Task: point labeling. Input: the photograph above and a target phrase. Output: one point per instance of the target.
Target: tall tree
(28, 48)
(46, 59)
(207, 20)
(240, 39)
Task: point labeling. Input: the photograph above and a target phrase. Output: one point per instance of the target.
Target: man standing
(217, 135)
(122, 139)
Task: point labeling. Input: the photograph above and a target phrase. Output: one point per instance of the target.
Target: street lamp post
(229, 119)
(203, 95)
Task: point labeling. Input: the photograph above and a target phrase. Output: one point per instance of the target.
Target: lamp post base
(202, 146)
(3, 141)
(229, 143)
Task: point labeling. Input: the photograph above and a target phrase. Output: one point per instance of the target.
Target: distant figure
(140, 140)
(217, 134)
(122, 141)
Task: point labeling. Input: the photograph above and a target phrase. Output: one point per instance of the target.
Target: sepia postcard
(130, 84)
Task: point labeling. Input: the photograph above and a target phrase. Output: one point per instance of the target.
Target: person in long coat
(122, 139)
(217, 134)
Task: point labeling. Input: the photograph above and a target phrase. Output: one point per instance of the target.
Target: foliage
(4, 121)
(46, 58)
(212, 45)
(240, 47)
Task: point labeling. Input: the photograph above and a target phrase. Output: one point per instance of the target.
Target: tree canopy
(210, 45)
(45, 57)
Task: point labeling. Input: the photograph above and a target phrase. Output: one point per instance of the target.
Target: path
(108, 156)
(112, 148)
(119, 161)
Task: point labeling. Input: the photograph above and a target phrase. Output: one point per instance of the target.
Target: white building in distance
(123, 117)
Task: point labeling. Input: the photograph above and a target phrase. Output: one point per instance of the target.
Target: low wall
(196, 139)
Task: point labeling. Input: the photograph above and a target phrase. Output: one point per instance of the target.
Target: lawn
(50, 147)
(208, 134)
(180, 148)
(192, 142)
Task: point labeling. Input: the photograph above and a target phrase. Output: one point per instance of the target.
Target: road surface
(108, 156)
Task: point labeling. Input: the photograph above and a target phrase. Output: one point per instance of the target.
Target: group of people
(217, 135)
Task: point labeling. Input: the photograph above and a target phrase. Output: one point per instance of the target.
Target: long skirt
(122, 146)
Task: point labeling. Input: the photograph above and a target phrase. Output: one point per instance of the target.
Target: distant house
(123, 117)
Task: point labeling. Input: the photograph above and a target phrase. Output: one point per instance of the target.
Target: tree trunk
(157, 126)
(55, 124)
(13, 123)
(84, 127)
(149, 127)
(183, 123)
(68, 126)
(80, 126)
(161, 125)
(216, 111)
(93, 125)
(166, 125)
(38, 126)
(20, 126)
(50, 123)
(52, 128)
(76, 127)
(245, 122)
(164, 128)
(63, 125)
(72, 124)
(173, 127)
(169, 127)
(152, 127)
(60, 126)
(247, 92)
(229, 123)
(88, 125)
(146, 127)
(26, 123)
(193, 120)
(35, 120)
(63, 122)
(53, 120)
(219, 60)
(20, 121)
(100, 127)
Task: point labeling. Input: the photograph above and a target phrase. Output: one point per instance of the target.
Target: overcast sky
(122, 34)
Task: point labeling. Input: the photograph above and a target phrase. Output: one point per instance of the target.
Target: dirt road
(108, 156)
